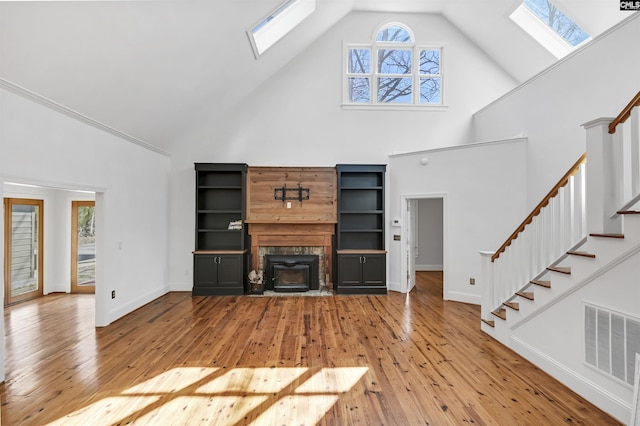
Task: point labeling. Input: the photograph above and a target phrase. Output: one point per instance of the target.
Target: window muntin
(400, 67)
(430, 79)
(359, 75)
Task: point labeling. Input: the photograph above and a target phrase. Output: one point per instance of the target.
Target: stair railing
(555, 225)
(579, 201)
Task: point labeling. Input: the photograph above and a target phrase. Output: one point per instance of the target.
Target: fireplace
(291, 273)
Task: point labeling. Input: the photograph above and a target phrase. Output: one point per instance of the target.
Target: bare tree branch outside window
(396, 71)
(557, 21)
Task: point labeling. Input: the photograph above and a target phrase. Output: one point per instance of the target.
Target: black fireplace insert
(291, 272)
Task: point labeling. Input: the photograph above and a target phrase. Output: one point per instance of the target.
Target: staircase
(577, 267)
(578, 247)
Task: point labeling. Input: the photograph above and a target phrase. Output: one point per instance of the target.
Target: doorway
(423, 247)
(83, 247)
(23, 248)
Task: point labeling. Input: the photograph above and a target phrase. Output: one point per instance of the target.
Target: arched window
(393, 70)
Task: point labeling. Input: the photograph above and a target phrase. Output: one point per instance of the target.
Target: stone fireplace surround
(291, 238)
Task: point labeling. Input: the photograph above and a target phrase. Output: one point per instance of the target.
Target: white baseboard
(135, 304)
(594, 393)
(459, 296)
(391, 286)
(429, 268)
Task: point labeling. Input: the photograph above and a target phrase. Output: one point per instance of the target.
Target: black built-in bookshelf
(221, 236)
(360, 252)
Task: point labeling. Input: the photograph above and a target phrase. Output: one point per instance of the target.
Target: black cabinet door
(361, 274)
(218, 275)
(374, 270)
(205, 270)
(230, 271)
(349, 270)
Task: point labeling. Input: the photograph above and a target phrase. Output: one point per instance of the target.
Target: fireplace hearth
(291, 273)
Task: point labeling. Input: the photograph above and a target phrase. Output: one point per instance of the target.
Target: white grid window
(393, 70)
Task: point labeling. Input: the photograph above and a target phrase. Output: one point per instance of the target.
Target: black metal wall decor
(286, 194)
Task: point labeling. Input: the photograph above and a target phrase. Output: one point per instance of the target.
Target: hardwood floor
(342, 360)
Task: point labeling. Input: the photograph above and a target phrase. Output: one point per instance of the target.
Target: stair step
(607, 235)
(560, 269)
(582, 253)
(546, 284)
(513, 305)
(500, 313)
(628, 212)
(489, 323)
(526, 294)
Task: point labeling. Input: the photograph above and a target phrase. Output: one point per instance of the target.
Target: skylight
(549, 26)
(278, 23)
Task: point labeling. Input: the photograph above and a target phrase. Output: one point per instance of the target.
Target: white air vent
(611, 341)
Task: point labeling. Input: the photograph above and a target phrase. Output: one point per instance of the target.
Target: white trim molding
(25, 93)
(594, 393)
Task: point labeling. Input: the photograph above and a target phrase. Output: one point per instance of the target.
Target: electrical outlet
(113, 294)
(472, 281)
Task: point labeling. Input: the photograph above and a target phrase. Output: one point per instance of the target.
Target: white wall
(296, 118)
(43, 146)
(430, 235)
(483, 203)
(596, 81)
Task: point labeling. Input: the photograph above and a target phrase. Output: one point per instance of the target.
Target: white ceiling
(152, 69)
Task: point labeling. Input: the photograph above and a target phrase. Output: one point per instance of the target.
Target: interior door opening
(23, 248)
(424, 237)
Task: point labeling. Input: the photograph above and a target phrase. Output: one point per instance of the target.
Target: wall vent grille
(611, 341)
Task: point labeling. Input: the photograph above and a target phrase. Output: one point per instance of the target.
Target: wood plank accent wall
(272, 224)
(263, 208)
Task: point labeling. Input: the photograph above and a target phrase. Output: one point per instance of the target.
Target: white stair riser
(631, 224)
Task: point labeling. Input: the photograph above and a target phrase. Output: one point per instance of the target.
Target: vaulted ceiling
(151, 69)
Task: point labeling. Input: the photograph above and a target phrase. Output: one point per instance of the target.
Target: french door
(83, 247)
(23, 249)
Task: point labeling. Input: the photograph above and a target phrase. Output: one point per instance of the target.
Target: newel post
(604, 165)
(486, 284)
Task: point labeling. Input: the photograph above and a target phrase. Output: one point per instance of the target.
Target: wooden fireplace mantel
(290, 234)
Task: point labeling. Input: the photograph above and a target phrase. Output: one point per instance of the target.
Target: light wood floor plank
(342, 360)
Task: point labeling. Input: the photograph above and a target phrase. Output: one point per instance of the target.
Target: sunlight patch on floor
(333, 380)
(171, 381)
(254, 380)
(202, 395)
(296, 410)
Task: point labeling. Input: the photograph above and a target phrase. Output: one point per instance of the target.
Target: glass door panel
(23, 249)
(83, 247)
